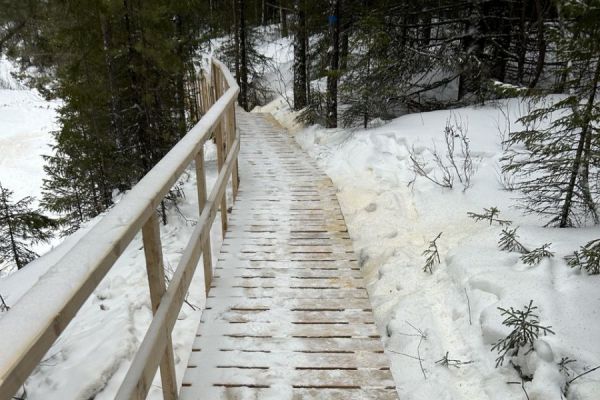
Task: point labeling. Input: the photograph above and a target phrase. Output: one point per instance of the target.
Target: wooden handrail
(40, 322)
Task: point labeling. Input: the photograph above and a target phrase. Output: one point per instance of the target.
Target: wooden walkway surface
(287, 316)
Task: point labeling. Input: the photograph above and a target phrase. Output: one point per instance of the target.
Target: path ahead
(288, 316)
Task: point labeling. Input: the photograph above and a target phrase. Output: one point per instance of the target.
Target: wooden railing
(34, 323)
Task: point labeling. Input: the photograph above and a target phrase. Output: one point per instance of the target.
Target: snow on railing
(36, 321)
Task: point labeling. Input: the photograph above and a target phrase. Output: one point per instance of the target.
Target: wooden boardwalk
(287, 316)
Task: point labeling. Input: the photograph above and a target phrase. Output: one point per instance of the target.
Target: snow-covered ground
(93, 354)
(392, 218)
(26, 125)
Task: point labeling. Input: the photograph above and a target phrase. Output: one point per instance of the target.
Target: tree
(333, 56)
(559, 168)
(120, 67)
(20, 227)
(300, 49)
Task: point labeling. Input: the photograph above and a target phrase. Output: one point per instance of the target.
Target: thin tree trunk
(283, 18)
(242, 54)
(13, 243)
(334, 56)
(581, 161)
(541, 42)
(522, 43)
(180, 82)
(300, 40)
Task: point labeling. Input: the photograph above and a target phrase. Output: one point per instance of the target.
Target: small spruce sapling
(526, 329)
(536, 255)
(509, 241)
(587, 258)
(432, 255)
(447, 362)
(491, 215)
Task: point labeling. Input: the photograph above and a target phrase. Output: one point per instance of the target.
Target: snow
(113, 321)
(26, 125)
(92, 356)
(391, 222)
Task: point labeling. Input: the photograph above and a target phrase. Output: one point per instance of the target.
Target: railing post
(235, 180)
(206, 250)
(220, 130)
(156, 281)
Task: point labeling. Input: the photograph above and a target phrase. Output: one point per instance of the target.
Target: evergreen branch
(508, 241)
(587, 258)
(536, 255)
(526, 329)
(432, 255)
(490, 214)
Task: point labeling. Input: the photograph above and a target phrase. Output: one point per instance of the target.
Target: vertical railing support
(220, 132)
(206, 249)
(235, 180)
(156, 281)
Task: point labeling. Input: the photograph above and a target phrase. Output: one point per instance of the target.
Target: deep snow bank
(392, 220)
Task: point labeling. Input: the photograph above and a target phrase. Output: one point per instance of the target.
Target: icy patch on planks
(287, 316)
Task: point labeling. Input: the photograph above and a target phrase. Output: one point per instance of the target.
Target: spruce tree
(120, 68)
(557, 162)
(20, 227)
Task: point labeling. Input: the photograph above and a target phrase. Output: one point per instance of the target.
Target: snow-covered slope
(93, 354)
(392, 220)
(26, 125)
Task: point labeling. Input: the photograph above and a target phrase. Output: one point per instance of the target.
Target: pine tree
(333, 56)
(20, 227)
(559, 168)
(120, 68)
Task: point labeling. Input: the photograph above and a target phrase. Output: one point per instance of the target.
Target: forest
(127, 71)
(394, 100)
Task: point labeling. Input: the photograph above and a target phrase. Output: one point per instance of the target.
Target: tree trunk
(300, 40)
(242, 54)
(521, 44)
(180, 79)
(11, 235)
(541, 42)
(283, 18)
(582, 158)
(334, 57)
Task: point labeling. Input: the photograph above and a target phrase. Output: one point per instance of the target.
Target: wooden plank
(290, 303)
(324, 294)
(156, 281)
(322, 316)
(244, 392)
(301, 378)
(340, 282)
(221, 143)
(292, 359)
(294, 272)
(308, 345)
(235, 179)
(206, 248)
